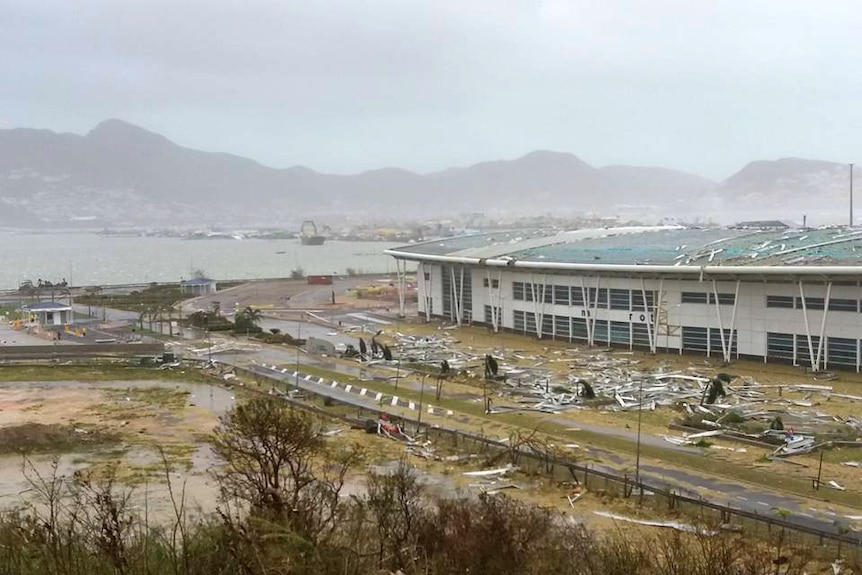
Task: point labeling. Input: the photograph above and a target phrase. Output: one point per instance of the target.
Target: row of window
(708, 297)
(795, 347)
(566, 328)
(791, 347)
(622, 299)
(708, 339)
(816, 303)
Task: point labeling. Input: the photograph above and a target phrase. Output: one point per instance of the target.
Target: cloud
(345, 86)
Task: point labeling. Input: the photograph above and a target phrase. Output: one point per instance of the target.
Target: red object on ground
(320, 280)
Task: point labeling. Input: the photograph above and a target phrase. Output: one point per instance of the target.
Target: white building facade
(807, 315)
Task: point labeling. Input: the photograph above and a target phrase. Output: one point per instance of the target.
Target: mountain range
(120, 174)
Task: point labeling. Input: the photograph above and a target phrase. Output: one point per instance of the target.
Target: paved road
(105, 313)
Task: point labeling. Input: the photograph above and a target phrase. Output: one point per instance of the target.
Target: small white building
(198, 286)
(49, 313)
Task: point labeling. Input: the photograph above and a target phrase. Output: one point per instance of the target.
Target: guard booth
(48, 313)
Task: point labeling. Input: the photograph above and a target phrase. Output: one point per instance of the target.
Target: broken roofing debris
(722, 404)
(669, 524)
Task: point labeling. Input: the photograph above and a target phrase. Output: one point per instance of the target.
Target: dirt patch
(122, 426)
(51, 438)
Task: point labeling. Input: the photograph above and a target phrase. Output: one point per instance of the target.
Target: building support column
(720, 326)
(538, 305)
(811, 356)
(733, 325)
(657, 322)
(594, 306)
(401, 270)
(821, 359)
(426, 285)
(649, 319)
(455, 309)
(585, 299)
(495, 300)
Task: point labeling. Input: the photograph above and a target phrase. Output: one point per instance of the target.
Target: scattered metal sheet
(491, 472)
(685, 527)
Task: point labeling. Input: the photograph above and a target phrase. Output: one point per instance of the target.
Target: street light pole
(421, 395)
(298, 337)
(397, 372)
(422, 388)
(640, 413)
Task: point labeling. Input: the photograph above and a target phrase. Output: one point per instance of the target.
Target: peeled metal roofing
(664, 246)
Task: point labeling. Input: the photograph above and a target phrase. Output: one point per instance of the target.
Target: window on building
(497, 314)
(600, 333)
(779, 345)
(547, 325)
(704, 297)
(562, 326)
(620, 299)
(427, 276)
(530, 323)
(577, 296)
(598, 299)
(579, 329)
(836, 304)
(803, 351)
(780, 301)
(620, 332)
(723, 298)
(638, 300)
(561, 295)
(544, 293)
(492, 283)
(640, 335)
(715, 335)
(811, 303)
(695, 338)
(694, 297)
(842, 351)
(518, 321)
(518, 291)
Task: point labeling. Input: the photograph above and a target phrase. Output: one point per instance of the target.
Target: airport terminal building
(790, 295)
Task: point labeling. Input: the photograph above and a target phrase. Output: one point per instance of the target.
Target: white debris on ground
(685, 527)
(614, 382)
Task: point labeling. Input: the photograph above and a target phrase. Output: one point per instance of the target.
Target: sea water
(85, 258)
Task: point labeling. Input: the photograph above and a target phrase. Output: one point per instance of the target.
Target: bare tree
(395, 504)
(275, 461)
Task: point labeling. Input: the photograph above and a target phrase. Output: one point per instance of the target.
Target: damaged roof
(659, 246)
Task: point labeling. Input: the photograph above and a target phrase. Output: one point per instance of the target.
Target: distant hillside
(122, 174)
(789, 188)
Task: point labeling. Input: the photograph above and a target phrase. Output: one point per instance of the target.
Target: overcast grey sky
(346, 85)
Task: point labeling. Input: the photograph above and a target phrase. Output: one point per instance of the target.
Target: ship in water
(309, 236)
